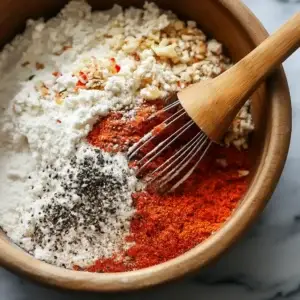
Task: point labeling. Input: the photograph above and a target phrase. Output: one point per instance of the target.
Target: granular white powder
(82, 213)
(57, 79)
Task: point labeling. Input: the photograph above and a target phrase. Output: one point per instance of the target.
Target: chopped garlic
(243, 173)
(167, 51)
(151, 93)
(177, 69)
(215, 47)
(131, 45)
(178, 25)
(191, 24)
(164, 42)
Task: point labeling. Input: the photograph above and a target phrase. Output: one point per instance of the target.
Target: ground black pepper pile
(90, 206)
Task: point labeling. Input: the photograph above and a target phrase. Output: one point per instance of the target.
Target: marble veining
(265, 264)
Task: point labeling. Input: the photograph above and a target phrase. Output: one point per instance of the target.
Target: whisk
(211, 106)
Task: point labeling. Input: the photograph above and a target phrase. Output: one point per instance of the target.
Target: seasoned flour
(60, 199)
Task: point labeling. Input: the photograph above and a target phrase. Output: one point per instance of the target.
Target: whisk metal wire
(150, 136)
(163, 145)
(180, 160)
(189, 151)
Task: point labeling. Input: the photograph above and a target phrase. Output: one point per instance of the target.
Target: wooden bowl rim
(265, 180)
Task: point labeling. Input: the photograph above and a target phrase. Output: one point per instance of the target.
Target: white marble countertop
(266, 263)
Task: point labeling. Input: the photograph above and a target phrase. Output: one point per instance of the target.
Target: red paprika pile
(167, 225)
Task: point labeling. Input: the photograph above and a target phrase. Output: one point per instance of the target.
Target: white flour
(38, 129)
(82, 213)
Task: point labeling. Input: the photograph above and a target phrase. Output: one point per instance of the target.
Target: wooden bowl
(239, 30)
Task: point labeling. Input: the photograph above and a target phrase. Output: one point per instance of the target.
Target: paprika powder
(167, 225)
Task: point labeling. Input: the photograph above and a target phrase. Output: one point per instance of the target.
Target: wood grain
(213, 104)
(236, 27)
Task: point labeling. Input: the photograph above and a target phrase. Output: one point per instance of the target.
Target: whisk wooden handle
(213, 104)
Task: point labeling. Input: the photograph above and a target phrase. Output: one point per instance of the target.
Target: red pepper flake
(56, 74)
(24, 64)
(67, 47)
(39, 66)
(58, 121)
(117, 67)
(136, 56)
(80, 84)
(77, 268)
(83, 76)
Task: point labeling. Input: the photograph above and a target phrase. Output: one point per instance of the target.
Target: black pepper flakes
(86, 206)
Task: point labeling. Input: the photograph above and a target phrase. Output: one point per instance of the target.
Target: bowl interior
(239, 31)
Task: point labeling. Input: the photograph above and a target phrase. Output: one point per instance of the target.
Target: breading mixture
(63, 200)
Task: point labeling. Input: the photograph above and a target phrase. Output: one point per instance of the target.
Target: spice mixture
(77, 92)
(167, 225)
